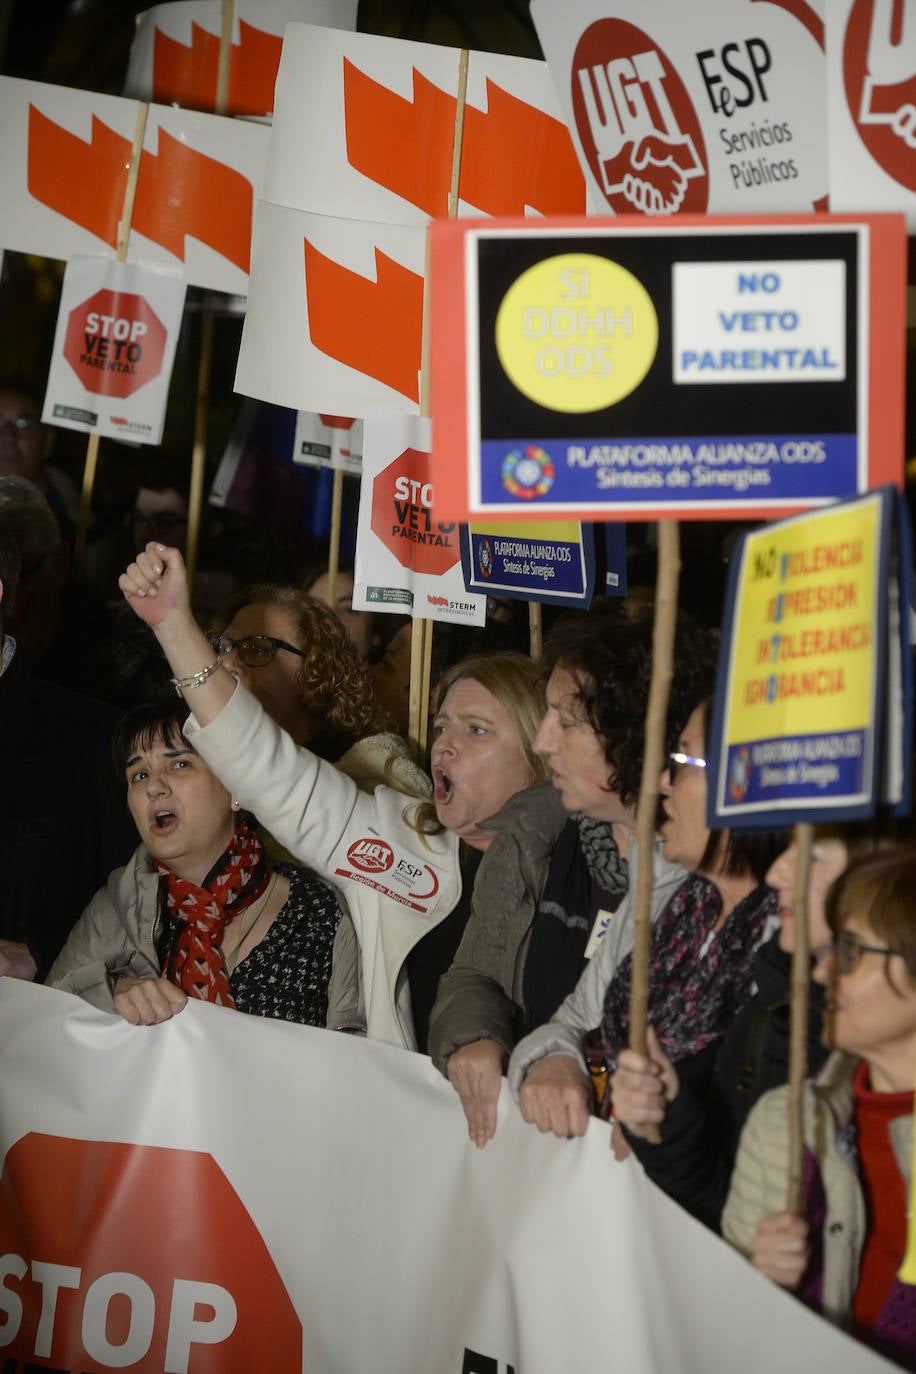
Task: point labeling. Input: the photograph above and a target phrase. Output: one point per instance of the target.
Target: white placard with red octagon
(716, 107)
(114, 348)
(871, 102)
(407, 562)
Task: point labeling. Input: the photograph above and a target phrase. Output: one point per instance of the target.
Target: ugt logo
(879, 77)
(636, 123)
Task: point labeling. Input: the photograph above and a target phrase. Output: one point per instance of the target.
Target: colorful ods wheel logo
(739, 774)
(485, 558)
(528, 473)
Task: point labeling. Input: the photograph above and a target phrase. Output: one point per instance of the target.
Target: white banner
(114, 347)
(175, 52)
(871, 90)
(407, 561)
(65, 154)
(716, 107)
(223, 1194)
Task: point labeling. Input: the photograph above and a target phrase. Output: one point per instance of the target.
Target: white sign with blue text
(759, 321)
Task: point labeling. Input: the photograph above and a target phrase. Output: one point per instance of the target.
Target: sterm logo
(636, 123)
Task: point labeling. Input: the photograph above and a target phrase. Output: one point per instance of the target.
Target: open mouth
(163, 822)
(442, 785)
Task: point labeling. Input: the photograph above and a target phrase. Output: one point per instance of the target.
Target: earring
(236, 806)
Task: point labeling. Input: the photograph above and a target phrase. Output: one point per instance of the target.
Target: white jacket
(397, 884)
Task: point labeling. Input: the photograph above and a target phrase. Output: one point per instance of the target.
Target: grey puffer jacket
(480, 997)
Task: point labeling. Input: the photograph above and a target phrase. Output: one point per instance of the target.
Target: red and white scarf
(237, 879)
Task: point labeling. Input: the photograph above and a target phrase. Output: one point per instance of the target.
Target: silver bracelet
(196, 679)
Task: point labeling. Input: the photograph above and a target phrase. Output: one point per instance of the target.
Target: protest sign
(66, 155)
(114, 347)
(810, 703)
(328, 441)
(615, 560)
(717, 107)
(871, 104)
(198, 1196)
(407, 562)
(707, 368)
(175, 53)
(553, 563)
(353, 179)
(335, 321)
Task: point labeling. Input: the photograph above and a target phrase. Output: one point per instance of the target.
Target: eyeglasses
(677, 760)
(255, 651)
(20, 423)
(847, 952)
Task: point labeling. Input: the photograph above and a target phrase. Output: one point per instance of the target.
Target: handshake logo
(636, 123)
(879, 73)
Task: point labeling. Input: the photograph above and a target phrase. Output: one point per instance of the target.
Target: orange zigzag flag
(372, 326)
(84, 182)
(179, 192)
(513, 155)
(188, 75)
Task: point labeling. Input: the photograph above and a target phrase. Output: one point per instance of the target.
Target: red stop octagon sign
(115, 1256)
(402, 499)
(115, 343)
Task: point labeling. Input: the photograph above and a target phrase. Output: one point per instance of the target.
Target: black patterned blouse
(286, 974)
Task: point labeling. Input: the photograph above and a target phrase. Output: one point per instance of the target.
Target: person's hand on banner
(475, 1071)
(16, 961)
(556, 1096)
(148, 1001)
(780, 1248)
(642, 1087)
(156, 584)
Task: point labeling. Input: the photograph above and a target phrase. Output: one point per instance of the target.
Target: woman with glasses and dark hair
(700, 971)
(293, 654)
(198, 911)
(843, 1255)
(694, 1160)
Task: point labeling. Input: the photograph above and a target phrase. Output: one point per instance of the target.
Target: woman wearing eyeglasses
(843, 1255)
(292, 653)
(405, 864)
(700, 971)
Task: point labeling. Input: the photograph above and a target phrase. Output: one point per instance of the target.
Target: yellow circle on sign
(576, 332)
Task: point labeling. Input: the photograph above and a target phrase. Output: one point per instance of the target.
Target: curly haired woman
(292, 653)
(558, 868)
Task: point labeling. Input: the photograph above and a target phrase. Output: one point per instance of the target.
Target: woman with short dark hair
(198, 911)
(558, 870)
(700, 969)
(843, 1255)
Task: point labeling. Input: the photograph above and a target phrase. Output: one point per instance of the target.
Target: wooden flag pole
(798, 1034)
(334, 544)
(666, 588)
(92, 446)
(205, 357)
(421, 641)
(535, 630)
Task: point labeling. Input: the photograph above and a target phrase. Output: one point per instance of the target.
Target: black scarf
(586, 874)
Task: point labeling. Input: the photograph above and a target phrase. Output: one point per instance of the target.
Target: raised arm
(155, 586)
